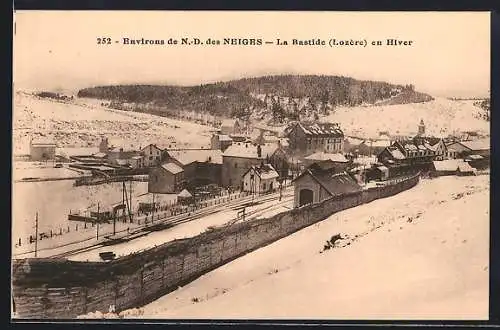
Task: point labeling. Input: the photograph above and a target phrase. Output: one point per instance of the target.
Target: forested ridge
(315, 93)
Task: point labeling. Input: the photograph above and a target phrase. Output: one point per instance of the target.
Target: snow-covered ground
(189, 229)
(441, 117)
(82, 122)
(53, 200)
(422, 254)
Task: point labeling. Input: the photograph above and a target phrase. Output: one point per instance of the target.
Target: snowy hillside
(429, 261)
(81, 123)
(441, 116)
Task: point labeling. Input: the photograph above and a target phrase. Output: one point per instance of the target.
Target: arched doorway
(305, 197)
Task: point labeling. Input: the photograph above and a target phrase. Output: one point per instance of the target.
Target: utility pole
(97, 227)
(130, 201)
(36, 233)
(153, 211)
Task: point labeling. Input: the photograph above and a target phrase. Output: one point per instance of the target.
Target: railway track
(166, 223)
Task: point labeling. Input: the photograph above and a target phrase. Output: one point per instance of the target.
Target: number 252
(104, 41)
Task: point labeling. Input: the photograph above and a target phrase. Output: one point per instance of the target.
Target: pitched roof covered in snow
(185, 194)
(379, 143)
(322, 156)
(265, 172)
(43, 142)
(172, 168)
(229, 123)
(477, 145)
(448, 165)
(249, 150)
(395, 153)
(188, 156)
(321, 129)
(334, 183)
(224, 137)
(465, 167)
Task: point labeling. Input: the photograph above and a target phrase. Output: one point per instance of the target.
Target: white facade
(259, 181)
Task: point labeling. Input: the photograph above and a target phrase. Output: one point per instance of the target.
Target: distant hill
(283, 96)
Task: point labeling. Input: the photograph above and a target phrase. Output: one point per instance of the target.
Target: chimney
(259, 151)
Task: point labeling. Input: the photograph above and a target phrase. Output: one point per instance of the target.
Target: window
(235, 165)
(157, 158)
(157, 152)
(263, 186)
(150, 157)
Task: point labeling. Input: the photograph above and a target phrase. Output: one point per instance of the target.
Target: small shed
(42, 149)
(465, 169)
(446, 167)
(185, 197)
(383, 172)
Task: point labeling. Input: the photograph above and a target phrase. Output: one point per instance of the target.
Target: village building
(446, 167)
(318, 183)
(406, 156)
(122, 156)
(136, 161)
(438, 148)
(153, 155)
(338, 161)
(231, 127)
(353, 144)
(167, 178)
(239, 157)
(475, 147)
(42, 149)
(220, 141)
(260, 179)
(201, 166)
(306, 138)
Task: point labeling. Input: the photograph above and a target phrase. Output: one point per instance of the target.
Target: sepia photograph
(250, 165)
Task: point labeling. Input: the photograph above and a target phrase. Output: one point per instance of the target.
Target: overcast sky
(450, 55)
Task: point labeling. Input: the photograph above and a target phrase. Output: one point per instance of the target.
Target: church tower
(421, 128)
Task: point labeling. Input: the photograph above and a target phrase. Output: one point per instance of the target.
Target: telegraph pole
(36, 233)
(153, 211)
(130, 201)
(97, 227)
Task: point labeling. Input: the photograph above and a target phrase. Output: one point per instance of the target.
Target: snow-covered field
(53, 200)
(422, 254)
(83, 122)
(441, 117)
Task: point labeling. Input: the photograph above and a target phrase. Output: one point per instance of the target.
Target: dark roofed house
(307, 138)
(317, 183)
(337, 161)
(406, 156)
(166, 178)
(220, 141)
(201, 166)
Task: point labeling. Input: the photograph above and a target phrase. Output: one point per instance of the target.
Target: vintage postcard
(251, 165)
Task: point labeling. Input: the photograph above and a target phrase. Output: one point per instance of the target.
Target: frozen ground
(426, 257)
(189, 229)
(53, 201)
(82, 122)
(441, 117)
